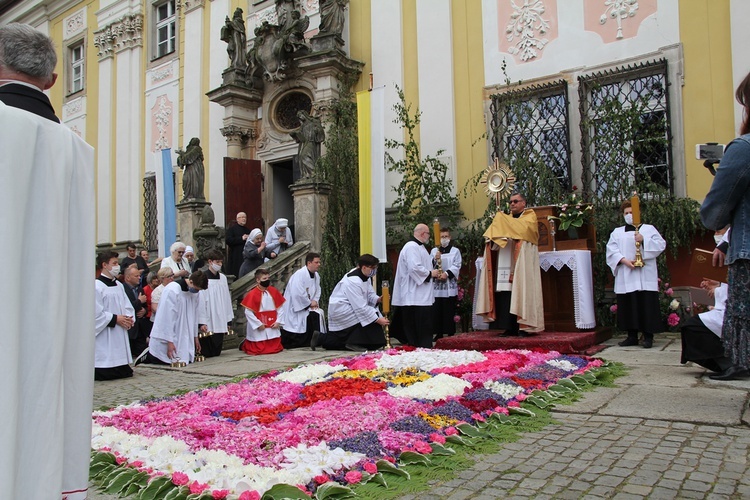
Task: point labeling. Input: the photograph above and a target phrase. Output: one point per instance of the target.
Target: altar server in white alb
(413, 292)
(48, 225)
(447, 258)
(114, 317)
(302, 316)
(216, 306)
(354, 321)
(637, 288)
(174, 336)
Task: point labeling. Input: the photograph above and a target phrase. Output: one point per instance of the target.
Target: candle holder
(386, 301)
(436, 236)
(199, 358)
(202, 335)
(553, 232)
(177, 363)
(230, 331)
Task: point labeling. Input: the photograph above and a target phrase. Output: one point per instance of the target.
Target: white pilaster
(104, 192)
(388, 69)
(194, 70)
(739, 13)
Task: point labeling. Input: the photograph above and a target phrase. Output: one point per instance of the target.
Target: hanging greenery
(425, 191)
(339, 167)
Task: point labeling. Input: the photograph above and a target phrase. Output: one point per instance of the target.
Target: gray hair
(176, 246)
(26, 50)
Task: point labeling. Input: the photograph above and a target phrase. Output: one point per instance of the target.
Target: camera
(711, 151)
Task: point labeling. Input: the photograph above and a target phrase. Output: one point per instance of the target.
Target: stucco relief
(74, 24)
(267, 14)
(615, 20)
(529, 26)
(310, 6)
(161, 123)
(73, 108)
(161, 74)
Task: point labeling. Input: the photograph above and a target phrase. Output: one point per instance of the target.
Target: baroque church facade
(142, 76)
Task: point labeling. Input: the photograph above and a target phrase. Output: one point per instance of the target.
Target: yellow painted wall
(468, 81)
(708, 96)
(411, 58)
(360, 40)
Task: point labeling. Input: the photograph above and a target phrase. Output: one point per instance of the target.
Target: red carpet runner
(562, 342)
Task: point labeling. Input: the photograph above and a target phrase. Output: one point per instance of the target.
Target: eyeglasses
(515, 201)
(182, 252)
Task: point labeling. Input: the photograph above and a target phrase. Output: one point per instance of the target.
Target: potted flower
(573, 214)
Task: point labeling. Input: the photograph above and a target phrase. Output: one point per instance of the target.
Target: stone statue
(233, 33)
(332, 17)
(193, 173)
(309, 136)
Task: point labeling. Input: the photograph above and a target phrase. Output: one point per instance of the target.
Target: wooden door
(243, 191)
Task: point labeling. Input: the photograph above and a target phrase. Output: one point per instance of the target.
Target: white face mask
(444, 242)
(717, 238)
(215, 268)
(115, 271)
(629, 219)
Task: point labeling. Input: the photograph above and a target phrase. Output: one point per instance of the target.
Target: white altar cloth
(578, 261)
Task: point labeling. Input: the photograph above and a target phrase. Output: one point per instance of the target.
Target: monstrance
(499, 180)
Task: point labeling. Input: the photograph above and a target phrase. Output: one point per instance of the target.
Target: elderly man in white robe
(637, 288)
(216, 306)
(278, 237)
(47, 198)
(174, 337)
(413, 292)
(302, 315)
(354, 321)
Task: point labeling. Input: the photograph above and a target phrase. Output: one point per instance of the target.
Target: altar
(567, 290)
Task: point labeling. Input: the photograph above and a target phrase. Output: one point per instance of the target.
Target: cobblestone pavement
(666, 431)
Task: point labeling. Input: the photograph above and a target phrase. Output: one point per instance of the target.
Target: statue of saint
(233, 33)
(309, 136)
(332, 17)
(193, 173)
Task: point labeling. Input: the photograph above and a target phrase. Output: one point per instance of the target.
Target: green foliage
(425, 191)
(340, 168)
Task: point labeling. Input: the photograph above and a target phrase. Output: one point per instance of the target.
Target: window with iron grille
(530, 134)
(165, 28)
(76, 68)
(150, 213)
(626, 138)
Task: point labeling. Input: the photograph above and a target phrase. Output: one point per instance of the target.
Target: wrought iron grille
(626, 136)
(530, 133)
(150, 213)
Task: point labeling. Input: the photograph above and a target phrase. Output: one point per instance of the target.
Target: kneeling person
(216, 306)
(264, 312)
(302, 316)
(354, 321)
(174, 336)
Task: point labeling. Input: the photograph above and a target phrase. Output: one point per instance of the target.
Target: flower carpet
(322, 429)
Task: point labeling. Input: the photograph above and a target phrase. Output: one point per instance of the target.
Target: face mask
(215, 268)
(629, 219)
(372, 272)
(265, 283)
(444, 242)
(717, 238)
(193, 290)
(115, 271)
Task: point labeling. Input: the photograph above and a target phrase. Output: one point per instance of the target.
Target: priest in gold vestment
(510, 282)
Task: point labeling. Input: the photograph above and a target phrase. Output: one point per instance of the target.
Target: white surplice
(411, 288)
(450, 261)
(300, 291)
(112, 342)
(216, 305)
(176, 322)
(47, 202)
(352, 301)
(622, 244)
(714, 319)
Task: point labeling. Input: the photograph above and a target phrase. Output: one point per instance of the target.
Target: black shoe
(355, 348)
(732, 373)
(648, 343)
(314, 340)
(141, 358)
(509, 333)
(628, 342)
(523, 333)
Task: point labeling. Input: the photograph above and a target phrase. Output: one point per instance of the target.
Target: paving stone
(609, 480)
(637, 489)
(663, 493)
(695, 486)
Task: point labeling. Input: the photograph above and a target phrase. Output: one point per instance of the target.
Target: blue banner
(170, 211)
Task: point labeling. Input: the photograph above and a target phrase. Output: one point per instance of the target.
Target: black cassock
(235, 244)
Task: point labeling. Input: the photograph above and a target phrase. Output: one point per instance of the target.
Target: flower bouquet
(574, 213)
